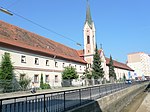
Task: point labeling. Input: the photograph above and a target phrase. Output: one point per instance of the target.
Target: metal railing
(59, 101)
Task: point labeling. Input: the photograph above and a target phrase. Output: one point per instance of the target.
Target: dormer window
(88, 39)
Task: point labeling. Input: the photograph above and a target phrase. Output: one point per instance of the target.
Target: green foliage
(6, 68)
(124, 77)
(41, 82)
(69, 73)
(111, 69)
(6, 72)
(24, 82)
(97, 70)
(87, 74)
(46, 86)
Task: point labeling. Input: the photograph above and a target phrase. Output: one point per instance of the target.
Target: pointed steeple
(89, 37)
(88, 15)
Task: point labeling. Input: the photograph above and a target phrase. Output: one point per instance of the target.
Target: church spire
(88, 15)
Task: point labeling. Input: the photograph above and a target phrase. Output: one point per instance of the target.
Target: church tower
(89, 37)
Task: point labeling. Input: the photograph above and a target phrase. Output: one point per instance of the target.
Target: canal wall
(114, 102)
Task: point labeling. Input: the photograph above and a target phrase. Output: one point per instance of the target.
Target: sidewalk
(26, 93)
(145, 106)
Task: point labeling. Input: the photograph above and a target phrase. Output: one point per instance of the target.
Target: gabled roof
(15, 36)
(119, 64)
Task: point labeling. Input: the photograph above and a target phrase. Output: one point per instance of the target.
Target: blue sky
(122, 26)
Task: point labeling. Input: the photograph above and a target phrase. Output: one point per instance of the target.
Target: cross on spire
(101, 46)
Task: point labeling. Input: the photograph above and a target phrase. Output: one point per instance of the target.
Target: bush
(24, 83)
(46, 86)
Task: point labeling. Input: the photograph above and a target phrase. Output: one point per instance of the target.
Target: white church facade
(33, 55)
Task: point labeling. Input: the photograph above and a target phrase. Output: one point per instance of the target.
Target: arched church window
(88, 39)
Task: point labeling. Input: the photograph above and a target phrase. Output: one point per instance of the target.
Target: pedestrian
(33, 88)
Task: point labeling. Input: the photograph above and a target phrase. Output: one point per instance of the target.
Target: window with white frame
(36, 78)
(56, 64)
(23, 59)
(47, 62)
(80, 68)
(63, 65)
(46, 78)
(90, 65)
(56, 78)
(36, 61)
(22, 76)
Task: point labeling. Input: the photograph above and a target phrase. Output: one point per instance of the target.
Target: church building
(33, 55)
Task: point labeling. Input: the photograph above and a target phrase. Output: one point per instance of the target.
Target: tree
(24, 82)
(97, 70)
(112, 74)
(69, 74)
(6, 71)
(124, 77)
(87, 74)
(44, 85)
(41, 82)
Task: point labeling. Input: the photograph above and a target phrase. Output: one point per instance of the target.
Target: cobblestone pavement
(145, 106)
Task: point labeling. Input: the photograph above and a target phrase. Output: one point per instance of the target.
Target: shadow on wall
(92, 106)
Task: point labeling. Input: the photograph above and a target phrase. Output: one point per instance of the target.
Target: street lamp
(6, 11)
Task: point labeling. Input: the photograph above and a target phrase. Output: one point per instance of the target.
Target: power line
(50, 30)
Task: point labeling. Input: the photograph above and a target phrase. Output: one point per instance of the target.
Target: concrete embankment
(135, 103)
(114, 102)
(140, 103)
(145, 106)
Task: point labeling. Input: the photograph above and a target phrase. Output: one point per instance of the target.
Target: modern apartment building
(140, 62)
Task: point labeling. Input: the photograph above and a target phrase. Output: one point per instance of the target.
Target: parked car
(128, 82)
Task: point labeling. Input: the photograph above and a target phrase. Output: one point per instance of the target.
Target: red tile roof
(119, 65)
(81, 52)
(15, 36)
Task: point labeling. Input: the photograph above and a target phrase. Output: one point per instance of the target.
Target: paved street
(57, 101)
